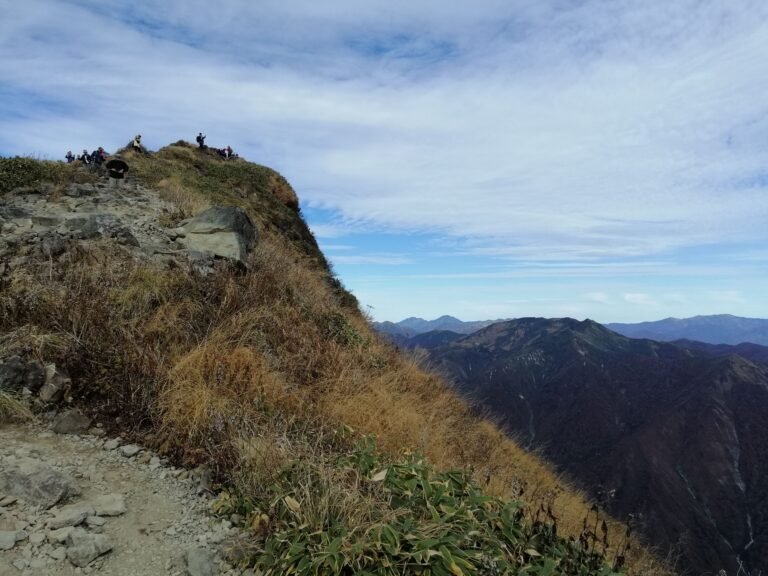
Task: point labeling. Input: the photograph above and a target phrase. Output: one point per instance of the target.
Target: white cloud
(381, 259)
(532, 131)
(598, 297)
(639, 299)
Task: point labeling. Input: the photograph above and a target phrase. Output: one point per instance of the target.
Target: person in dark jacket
(117, 169)
(70, 157)
(200, 141)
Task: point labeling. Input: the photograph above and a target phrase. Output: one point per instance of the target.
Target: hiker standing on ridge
(200, 141)
(117, 169)
(70, 157)
(136, 144)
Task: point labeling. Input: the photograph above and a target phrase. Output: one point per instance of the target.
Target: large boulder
(17, 374)
(37, 483)
(223, 231)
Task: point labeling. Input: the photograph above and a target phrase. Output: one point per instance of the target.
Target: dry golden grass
(187, 202)
(13, 410)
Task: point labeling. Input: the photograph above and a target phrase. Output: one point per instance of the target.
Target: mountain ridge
(656, 424)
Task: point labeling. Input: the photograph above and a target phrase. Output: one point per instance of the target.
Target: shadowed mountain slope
(675, 436)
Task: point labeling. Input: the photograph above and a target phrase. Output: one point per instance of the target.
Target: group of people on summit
(117, 167)
(225, 152)
(97, 157)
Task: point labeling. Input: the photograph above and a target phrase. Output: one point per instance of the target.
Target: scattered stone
(84, 548)
(52, 243)
(112, 444)
(7, 501)
(20, 564)
(71, 515)
(109, 505)
(37, 539)
(71, 422)
(17, 374)
(37, 484)
(95, 521)
(199, 562)
(59, 553)
(145, 458)
(37, 563)
(56, 382)
(59, 536)
(7, 539)
(130, 450)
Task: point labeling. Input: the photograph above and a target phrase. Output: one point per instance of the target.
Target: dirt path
(164, 515)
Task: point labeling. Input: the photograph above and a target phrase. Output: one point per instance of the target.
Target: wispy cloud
(525, 131)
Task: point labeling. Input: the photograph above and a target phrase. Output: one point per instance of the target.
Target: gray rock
(37, 539)
(37, 484)
(71, 515)
(59, 536)
(130, 450)
(123, 235)
(17, 374)
(52, 245)
(95, 521)
(56, 382)
(20, 564)
(109, 505)
(71, 422)
(59, 553)
(7, 539)
(83, 548)
(199, 562)
(224, 231)
(111, 444)
(85, 228)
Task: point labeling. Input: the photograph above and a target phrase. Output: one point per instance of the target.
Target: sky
(488, 159)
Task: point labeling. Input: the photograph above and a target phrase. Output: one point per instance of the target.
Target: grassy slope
(251, 373)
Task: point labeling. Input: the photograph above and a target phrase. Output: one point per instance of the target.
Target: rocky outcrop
(17, 375)
(222, 231)
(45, 223)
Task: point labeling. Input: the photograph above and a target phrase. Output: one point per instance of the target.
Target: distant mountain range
(400, 332)
(716, 329)
(675, 434)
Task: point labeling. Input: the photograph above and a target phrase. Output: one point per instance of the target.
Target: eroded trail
(150, 515)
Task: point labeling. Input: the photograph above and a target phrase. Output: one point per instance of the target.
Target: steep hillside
(675, 437)
(264, 370)
(715, 329)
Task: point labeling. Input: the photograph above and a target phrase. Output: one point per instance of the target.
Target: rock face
(675, 436)
(37, 483)
(17, 374)
(71, 422)
(223, 231)
(85, 547)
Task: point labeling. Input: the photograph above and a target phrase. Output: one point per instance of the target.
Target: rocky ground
(85, 504)
(48, 221)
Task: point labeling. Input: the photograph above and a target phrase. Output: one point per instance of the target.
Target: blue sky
(592, 158)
